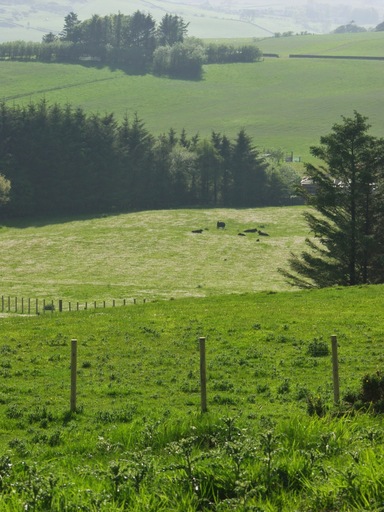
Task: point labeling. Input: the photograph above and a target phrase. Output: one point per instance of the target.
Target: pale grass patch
(152, 254)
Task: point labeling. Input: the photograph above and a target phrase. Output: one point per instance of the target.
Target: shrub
(371, 393)
(318, 348)
(316, 406)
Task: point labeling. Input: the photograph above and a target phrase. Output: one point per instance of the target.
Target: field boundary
(36, 306)
(349, 57)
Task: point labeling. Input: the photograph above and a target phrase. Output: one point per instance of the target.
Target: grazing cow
(262, 233)
(197, 231)
(253, 230)
(220, 225)
(241, 234)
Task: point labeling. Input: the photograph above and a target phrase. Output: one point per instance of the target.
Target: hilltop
(216, 18)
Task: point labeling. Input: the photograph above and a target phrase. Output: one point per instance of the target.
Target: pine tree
(346, 213)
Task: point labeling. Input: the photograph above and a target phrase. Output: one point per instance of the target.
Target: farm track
(60, 87)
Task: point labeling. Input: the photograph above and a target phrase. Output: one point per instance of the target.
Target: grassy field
(362, 43)
(272, 440)
(284, 103)
(149, 255)
(138, 440)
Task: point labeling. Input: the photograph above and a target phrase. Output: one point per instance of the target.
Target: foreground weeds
(211, 463)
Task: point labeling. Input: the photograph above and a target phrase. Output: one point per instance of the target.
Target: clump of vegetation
(318, 348)
(370, 396)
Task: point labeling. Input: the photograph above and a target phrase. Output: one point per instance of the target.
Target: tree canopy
(60, 160)
(347, 213)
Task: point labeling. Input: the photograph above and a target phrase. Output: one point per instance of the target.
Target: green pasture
(146, 356)
(367, 44)
(285, 103)
(138, 440)
(149, 255)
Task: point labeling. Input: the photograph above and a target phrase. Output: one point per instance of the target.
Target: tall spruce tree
(346, 213)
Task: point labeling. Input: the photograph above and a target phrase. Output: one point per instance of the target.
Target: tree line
(59, 160)
(135, 43)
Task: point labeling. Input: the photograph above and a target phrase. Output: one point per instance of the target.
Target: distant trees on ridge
(134, 43)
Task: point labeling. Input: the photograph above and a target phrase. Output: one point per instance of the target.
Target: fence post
(335, 364)
(69, 306)
(203, 376)
(73, 374)
(37, 306)
(29, 306)
(60, 305)
(2, 303)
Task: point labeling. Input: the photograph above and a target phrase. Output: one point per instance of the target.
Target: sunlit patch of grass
(149, 255)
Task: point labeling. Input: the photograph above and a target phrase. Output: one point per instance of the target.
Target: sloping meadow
(138, 439)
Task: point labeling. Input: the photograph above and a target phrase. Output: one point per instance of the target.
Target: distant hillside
(29, 20)
(281, 102)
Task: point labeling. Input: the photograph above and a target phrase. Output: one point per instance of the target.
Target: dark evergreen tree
(347, 213)
(208, 163)
(248, 171)
(171, 30)
(72, 29)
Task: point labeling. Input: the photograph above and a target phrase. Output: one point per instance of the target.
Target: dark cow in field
(262, 233)
(251, 230)
(197, 230)
(220, 225)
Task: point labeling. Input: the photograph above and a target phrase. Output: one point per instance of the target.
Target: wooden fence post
(60, 305)
(335, 364)
(203, 376)
(73, 374)
(37, 306)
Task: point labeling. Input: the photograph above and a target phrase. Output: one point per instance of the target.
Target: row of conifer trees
(60, 160)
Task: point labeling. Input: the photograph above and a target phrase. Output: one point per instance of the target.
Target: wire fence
(28, 306)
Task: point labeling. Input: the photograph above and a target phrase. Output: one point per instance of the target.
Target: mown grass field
(282, 102)
(152, 255)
